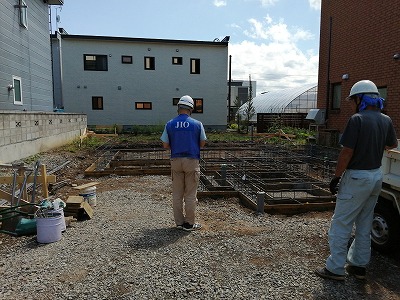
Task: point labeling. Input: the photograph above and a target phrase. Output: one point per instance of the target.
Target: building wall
(57, 71)
(240, 89)
(23, 134)
(358, 40)
(124, 84)
(25, 53)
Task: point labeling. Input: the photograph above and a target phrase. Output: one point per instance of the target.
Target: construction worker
(184, 136)
(367, 133)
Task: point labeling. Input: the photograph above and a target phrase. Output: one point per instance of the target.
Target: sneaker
(189, 227)
(326, 274)
(357, 272)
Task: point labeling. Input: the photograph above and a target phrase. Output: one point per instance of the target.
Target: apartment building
(138, 81)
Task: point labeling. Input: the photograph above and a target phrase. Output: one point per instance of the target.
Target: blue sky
(274, 41)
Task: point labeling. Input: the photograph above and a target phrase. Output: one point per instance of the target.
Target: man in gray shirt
(367, 134)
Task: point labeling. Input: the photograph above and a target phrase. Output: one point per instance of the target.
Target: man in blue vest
(184, 136)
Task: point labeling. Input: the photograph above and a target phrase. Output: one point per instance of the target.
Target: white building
(239, 90)
(28, 124)
(138, 81)
(25, 56)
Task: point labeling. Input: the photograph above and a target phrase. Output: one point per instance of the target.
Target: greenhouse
(290, 106)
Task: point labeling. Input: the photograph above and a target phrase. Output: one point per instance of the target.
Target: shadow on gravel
(32, 243)
(157, 238)
(382, 282)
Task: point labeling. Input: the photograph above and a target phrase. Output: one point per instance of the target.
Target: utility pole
(229, 88)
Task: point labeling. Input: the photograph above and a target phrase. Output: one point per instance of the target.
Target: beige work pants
(185, 173)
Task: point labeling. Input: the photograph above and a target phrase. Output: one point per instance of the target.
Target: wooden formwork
(286, 181)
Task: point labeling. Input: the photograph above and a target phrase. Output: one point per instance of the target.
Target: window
(336, 95)
(143, 105)
(125, 59)
(194, 66)
(97, 103)
(198, 106)
(383, 93)
(243, 94)
(177, 60)
(23, 14)
(149, 63)
(94, 62)
(17, 90)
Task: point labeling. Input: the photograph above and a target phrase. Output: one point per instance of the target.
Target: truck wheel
(385, 233)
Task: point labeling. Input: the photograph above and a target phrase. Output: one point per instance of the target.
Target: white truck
(385, 234)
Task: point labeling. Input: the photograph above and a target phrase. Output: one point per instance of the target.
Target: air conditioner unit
(316, 116)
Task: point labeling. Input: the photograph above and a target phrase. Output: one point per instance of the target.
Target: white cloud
(315, 4)
(219, 3)
(272, 57)
(268, 19)
(269, 2)
(275, 31)
(301, 34)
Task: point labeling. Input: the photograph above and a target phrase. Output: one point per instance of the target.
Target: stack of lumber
(78, 208)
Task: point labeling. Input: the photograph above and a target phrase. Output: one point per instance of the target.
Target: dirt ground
(73, 173)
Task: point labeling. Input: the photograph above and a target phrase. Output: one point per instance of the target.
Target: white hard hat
(363, 87)
(186, 101)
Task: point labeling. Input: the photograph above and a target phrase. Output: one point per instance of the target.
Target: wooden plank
(7, 196)
(86, 185)
(122, 172)
(292, 209)
(20, 179)
(217, 194)
(74, 200)
(45, 181)
(92, 167)
(88, 209)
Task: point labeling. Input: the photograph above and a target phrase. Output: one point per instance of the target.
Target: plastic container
(60, 211)
(49, 229)
(89, 196)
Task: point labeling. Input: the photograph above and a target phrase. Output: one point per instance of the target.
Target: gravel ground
(131, 250)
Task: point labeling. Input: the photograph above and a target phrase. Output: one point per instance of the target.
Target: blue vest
(184, 136)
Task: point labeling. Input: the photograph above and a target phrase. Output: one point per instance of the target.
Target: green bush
(146, 129)
(233, 126)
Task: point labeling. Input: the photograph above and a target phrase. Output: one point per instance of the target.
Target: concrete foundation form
(285, 179)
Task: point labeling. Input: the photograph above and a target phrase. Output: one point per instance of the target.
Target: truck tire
(385, 232)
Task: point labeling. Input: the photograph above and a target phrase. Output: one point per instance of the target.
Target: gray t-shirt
(367, 133)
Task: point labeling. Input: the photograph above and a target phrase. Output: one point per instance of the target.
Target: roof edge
(142, 40)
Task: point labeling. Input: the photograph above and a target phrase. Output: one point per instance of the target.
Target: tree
(237, 106)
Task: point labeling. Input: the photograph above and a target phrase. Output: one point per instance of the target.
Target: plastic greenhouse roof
(277, 101)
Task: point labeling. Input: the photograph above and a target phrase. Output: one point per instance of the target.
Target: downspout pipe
(328, 87)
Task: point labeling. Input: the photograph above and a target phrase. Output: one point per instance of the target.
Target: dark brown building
(358, 40)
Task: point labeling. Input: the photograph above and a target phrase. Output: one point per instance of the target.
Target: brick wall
(364, 38)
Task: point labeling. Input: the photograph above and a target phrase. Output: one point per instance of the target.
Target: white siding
(158, 86)
(25, 52)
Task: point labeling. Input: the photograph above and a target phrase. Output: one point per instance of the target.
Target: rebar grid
(285, 174)
(144, 154)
